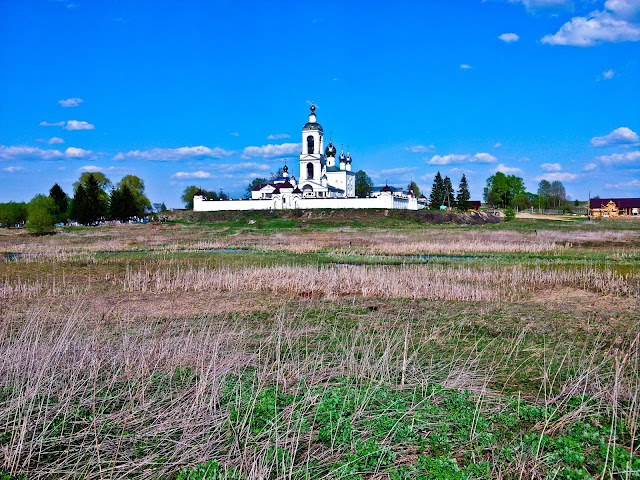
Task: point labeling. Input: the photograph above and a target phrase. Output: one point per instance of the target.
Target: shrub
(509, 214)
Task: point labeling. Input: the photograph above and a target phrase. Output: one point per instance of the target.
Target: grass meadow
(320, 348)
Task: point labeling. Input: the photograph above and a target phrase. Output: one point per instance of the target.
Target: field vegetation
(321, 346)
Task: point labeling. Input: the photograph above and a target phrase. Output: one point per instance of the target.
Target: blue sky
(215, 93)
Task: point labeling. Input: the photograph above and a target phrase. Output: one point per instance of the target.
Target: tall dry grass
(110, 402)
(412, 281)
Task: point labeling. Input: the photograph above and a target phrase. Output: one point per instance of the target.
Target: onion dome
(330, 151)
(200, 193)
(342, 158)
(285, 169)
(309, 126)
(348, 157)
(386, 188)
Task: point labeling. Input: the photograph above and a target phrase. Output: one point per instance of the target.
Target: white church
(322, 183)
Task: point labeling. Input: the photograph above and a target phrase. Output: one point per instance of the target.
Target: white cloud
(77, 125)
(53, 140)
(596, 28)
(13, 169)
(174, 154)
(10, 153)
(551, 167)
(112, 169)
(91, 168)
(541, 4)
(464, 66)
(272, 150)
(77, 152)
(608, 75)
(235, 134)
(623, 8)
(70, 125)
(198, 174)
(619, 136)
(70, 102)
(590, 166)
(278, 136)
(468, 158)
(560, 176)
(497, 145)
(504, 169)
(620, 186)
(509, 37)
(620, 158)
(421, 148)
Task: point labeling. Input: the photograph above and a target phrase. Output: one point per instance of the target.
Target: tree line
(94, 199)
(508, 191)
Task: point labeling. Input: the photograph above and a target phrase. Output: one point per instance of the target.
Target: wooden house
(614, 207)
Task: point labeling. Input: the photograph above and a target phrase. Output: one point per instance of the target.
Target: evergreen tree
(79, 206)
(61, 201)
(95, 207)
(122, 204)
(136, 188)
(448, 197)
(462, 200)
(437, 192)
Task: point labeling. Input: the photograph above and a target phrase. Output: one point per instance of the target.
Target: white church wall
(290, 202)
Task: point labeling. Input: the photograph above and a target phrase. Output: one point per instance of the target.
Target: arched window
(310, 168)
(310, 144)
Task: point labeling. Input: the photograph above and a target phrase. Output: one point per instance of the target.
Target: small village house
(614, 207)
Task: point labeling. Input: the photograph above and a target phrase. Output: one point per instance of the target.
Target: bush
(509, 214)
(40, 215)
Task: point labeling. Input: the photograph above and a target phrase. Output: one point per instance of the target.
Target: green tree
(95, 207)
(61, 201)
(436, 198)
(502, 189)
(254, 183)
(122, 204)
(187, 196)
(364, 184)
(448, 198)
(13, 213)
(413, 187)
(77, 211)
(558, 194)
(135, 185)
(40, 215)
(99, 177)
(544, 194)
(462, 199)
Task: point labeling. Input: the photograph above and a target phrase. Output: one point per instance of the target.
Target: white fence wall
(383, 201)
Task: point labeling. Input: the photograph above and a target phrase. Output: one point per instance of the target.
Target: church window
(310, 144)
(310, 169)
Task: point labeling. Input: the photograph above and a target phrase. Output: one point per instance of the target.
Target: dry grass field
(290, 349)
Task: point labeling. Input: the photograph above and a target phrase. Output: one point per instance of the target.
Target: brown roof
(620, 202)
(475, 203)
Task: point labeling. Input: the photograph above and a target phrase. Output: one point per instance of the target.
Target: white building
(322, 183)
